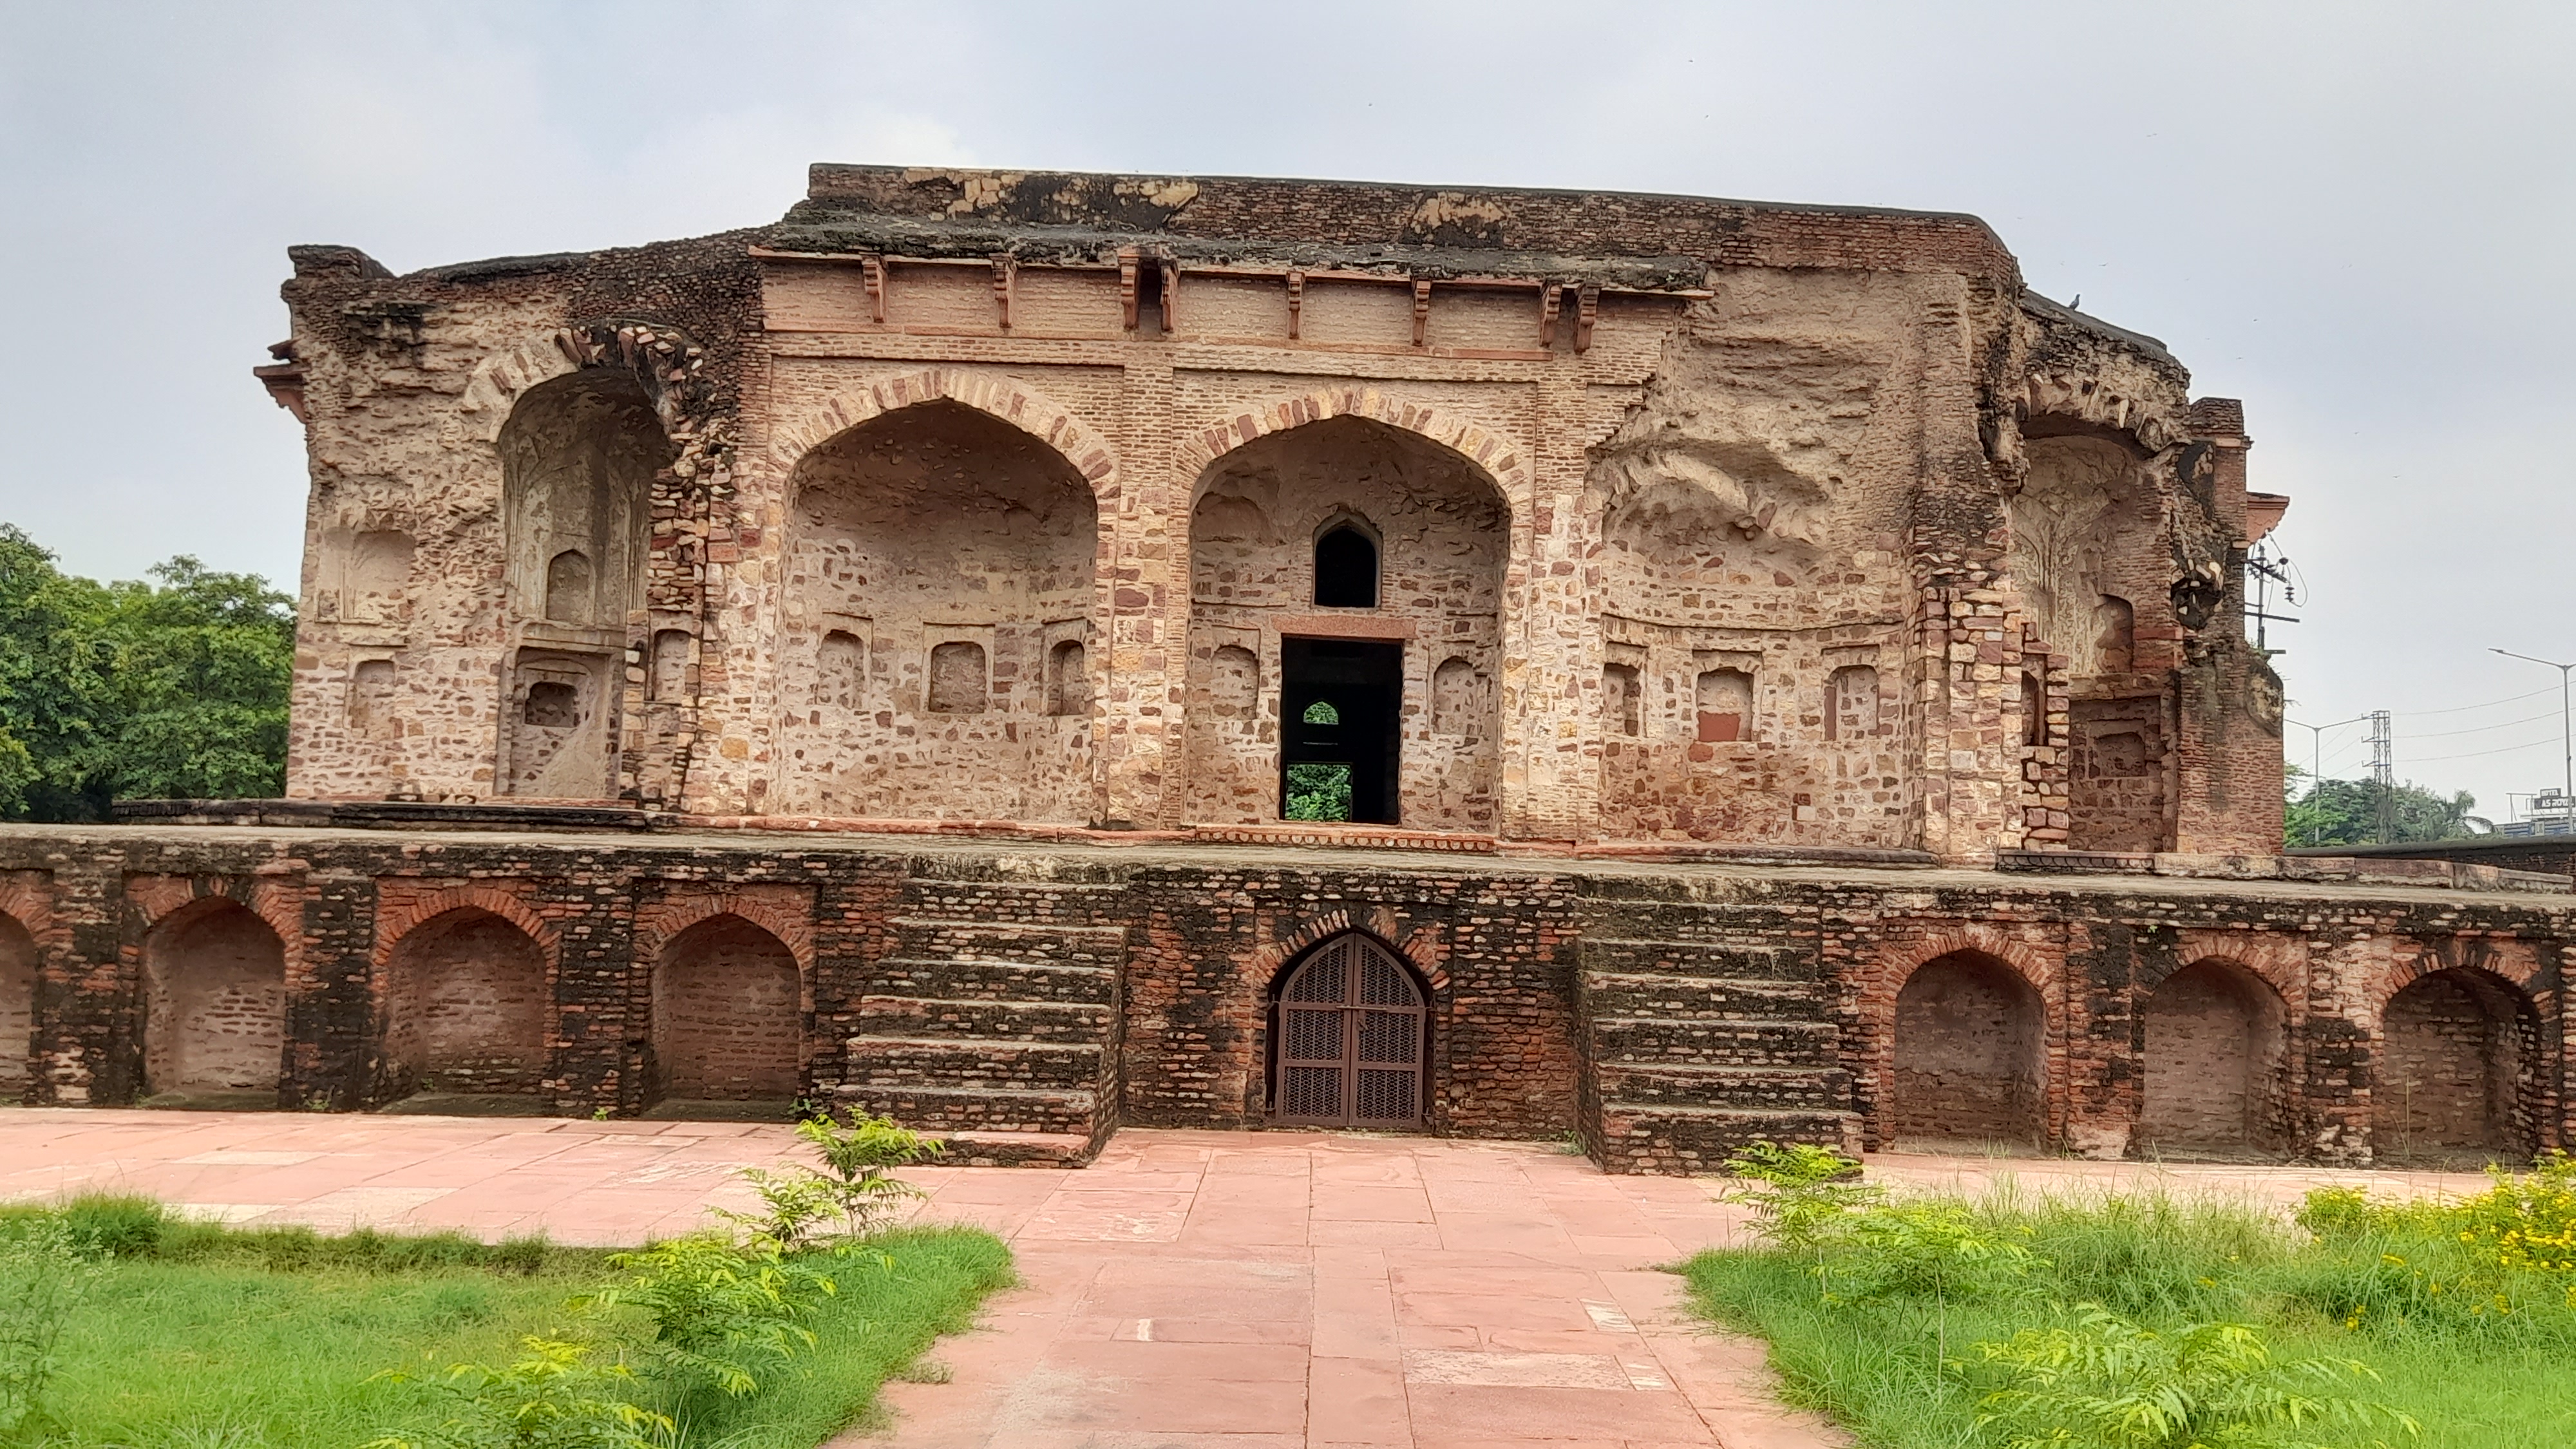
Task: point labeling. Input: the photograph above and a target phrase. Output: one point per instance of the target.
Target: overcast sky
(2355, 216)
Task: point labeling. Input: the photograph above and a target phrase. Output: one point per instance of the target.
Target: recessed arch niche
(727, 1015)
(2459, 1070)
(468, 1007)
(2216, 1067)
(214, 1001)
(960, 550)
(1970, 1066)
(18, 960)
(1265, 517)
(578, 458)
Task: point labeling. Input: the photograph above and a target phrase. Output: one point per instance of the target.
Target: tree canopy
(171, 688)
(2347, 812)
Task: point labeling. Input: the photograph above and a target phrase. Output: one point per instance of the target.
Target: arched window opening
(1345, 569)
(2034, 711)
(1321, 712)
(469, 1007)
(214, 981)
(957, 681)
(839, 664)
(728, 1015)
(2457, 1069)
(1969, 1065)
(1623, 700)
(568, 587)
(1725, 706)
(1068, 680)
(17, 1006)
(1851, 703)
(1348, 1034)
(2217, 1054)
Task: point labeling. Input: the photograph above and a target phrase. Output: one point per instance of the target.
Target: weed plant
(2154, 1321)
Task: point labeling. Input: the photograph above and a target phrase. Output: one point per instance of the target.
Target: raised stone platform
(1028, 997)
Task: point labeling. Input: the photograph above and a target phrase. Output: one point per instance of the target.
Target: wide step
(1633, 1138)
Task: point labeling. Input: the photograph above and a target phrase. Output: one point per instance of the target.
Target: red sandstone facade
(1788, 680)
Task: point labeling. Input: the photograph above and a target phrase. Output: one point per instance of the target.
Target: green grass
(2473, 1379)
(198, 1337)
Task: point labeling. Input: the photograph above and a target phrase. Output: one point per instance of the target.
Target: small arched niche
(1970, 1037)
(2217, 1054)
(1068, 680)
(214, 998)
(728, 1015)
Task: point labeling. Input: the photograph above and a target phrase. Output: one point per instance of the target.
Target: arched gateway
(1348, 1032)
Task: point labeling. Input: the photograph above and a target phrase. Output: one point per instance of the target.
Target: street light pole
(2316, 754)
(2566, 736)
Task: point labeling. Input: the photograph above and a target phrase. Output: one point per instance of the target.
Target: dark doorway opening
(1340, 701)
(1348, 1029)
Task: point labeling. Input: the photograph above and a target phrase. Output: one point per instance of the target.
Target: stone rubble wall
(1786, 443)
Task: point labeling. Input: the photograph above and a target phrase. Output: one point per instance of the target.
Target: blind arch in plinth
(1350, 1027)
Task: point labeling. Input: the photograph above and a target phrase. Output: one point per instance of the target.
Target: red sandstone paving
(1191, 1290)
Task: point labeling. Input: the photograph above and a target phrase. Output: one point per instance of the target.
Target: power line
(2465, 708)
(2478, 729)
(2475, 754)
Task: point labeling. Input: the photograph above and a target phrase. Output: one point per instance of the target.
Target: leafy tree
(1318, 792)
(137, 690)
(2346, 812)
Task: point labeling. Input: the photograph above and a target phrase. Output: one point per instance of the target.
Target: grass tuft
(2479, 1348)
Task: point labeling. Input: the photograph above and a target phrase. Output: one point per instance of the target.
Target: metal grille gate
(1350, 1028)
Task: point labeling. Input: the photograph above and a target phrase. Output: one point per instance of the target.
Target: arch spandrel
(998, 396)
(1501, 459)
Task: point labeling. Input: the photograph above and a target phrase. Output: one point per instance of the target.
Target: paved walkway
(1269, 1290)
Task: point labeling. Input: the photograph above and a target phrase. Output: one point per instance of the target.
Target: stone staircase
(993, 1022)
(1705, 1027)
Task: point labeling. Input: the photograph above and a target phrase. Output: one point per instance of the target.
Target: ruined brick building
(1785, 678)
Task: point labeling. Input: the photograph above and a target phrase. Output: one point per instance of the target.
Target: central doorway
(1341, 703)
(1347, 1030)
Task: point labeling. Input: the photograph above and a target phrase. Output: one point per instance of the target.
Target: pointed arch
(399, 912)
(727, 1001)
(214, 978)
(664, 359)
(1005, 398)
(467, 999)
(1350, 1036)
(1498, 456)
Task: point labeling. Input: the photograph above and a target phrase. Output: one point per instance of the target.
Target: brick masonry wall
(900, 950)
